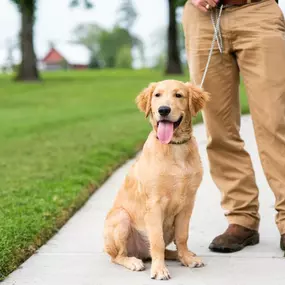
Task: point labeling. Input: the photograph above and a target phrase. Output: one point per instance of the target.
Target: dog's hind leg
(116, 234)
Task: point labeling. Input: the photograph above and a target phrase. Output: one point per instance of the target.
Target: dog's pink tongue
(165, 132)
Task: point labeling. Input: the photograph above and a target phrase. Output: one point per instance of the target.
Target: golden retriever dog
(154, 205)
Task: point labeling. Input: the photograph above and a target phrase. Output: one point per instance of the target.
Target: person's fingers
(200, 4)
(202, 8)
(212, 3)
(205, 5)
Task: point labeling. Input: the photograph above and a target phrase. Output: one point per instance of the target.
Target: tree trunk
(173, 56)
(28, 69)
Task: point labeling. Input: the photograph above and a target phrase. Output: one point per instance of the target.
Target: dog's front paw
(159, 271)
(191, 260)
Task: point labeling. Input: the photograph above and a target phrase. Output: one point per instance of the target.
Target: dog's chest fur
(170, 175)
(167, 176)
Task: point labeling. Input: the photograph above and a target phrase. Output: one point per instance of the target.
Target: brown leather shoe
(235, 238)
(282, 242)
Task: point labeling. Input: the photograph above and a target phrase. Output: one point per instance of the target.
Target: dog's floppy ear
(143, 100)
(197, 98)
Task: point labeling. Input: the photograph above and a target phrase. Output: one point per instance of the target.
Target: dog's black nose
(164, 110)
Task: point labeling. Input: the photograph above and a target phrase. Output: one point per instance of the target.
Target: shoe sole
(253, 240)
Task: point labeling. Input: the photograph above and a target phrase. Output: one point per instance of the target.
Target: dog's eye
(157, 95)
(177, 95)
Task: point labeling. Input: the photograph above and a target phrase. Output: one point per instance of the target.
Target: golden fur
(154, 205)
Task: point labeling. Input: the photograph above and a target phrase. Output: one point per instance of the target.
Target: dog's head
(171, 104)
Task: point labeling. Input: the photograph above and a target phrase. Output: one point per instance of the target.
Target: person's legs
(260, 50)
(230, 164)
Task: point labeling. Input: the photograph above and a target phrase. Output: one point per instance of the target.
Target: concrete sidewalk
(75, 256)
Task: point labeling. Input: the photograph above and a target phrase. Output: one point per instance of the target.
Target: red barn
(67, 56)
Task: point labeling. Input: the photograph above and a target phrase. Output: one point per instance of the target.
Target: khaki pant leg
(260, 49)
(230, 164)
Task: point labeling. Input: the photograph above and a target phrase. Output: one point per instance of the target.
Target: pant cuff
(281, 228)
(245, 222)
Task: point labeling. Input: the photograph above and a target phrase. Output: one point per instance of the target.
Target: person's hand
(205, 5)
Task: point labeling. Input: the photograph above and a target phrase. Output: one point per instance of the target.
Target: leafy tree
(173, 65)
(127, 15)
(105, 45)
(180, 2)
(94, 62)
(159, 44)
(88, 35)
(28, 69)
(111, 42)
(124, 58)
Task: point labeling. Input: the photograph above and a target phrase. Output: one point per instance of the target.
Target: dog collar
(179, 142)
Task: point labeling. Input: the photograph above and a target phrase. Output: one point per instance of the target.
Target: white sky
(55, 20)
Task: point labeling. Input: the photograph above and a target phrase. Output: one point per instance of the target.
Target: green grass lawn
(59, 140)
